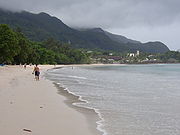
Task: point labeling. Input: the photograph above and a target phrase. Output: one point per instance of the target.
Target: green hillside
(39, 27)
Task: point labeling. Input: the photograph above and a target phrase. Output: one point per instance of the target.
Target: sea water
(130, 99)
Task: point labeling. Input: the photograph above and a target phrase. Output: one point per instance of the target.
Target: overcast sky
(143, 20)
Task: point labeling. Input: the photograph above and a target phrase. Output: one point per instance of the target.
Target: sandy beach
(35, 107)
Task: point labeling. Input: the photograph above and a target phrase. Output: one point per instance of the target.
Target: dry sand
(34, 107)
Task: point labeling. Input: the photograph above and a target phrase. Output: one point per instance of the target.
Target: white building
(131, 54)
(137, 53)
(89, 51)
(134, 54)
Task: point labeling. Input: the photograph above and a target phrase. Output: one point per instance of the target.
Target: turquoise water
(131, 99)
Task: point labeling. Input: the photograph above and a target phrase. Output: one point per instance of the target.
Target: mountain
(133, 45)
(151, 47)
(39, 27)
(121, 39)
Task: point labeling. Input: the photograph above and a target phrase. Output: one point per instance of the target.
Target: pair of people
(36, 71)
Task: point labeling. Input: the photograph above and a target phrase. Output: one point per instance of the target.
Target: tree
(25, 48)
(15, 48)
(8, 44)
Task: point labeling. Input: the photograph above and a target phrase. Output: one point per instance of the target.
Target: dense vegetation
(39, 27)
(99, 56)
(170, 57)
(15, 48)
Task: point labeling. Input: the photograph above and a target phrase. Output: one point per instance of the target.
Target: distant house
(145, 60)
(134, 54)
(150, 56)
(89, 51)
(116, 58)
(131, 54)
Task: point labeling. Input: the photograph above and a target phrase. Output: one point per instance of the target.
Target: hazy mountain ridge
(151, 47)
(114, 37)
(39, 27)
(121, 39)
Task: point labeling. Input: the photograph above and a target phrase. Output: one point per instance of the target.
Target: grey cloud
(104, 13)
(108, 14)
(124, 13)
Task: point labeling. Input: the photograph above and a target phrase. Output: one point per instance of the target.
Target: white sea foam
(78, 77)
(140, 99)
(99, 123)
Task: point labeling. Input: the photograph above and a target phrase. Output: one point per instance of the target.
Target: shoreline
(91, 114)
(77, 97)
(72, 100)
(34, 107)
(41, 106)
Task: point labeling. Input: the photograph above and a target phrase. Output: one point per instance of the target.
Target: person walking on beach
(25, 66)
(37, 72)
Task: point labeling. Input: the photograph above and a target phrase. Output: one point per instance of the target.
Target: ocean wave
(77, 77)
(83, 104)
